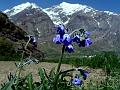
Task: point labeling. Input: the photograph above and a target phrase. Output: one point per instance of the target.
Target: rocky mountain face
(9, 30)
(62, 13)
(32, 20)
(104, 26)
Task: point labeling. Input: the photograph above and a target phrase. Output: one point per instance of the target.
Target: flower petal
(76, 39)
(77, 81)
(88, 42)
(66, 39)
(84, 73)
(69, 48)
(82, 43)
(60, 29)
(87, 34)
(57, 39)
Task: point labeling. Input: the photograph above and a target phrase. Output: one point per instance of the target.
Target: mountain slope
(12, 40)
(104, 26)
(32, 20)
(9, 30)
(61, 13)
(20, 8)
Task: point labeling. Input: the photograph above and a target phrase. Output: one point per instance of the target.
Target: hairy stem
(21, 60)
(58, 68)
(70, 70)
(60, 61)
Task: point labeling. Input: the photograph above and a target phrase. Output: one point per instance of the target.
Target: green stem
(60, 61)
(21, 61)
(20, 66)
(70, 70)
(58, 68)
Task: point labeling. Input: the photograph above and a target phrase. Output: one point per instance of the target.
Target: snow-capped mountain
(31, 19)
(103, 25)
(15, 10)
(61, 13)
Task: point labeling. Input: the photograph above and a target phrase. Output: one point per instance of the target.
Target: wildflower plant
(79, 36)
(15, 81)
(55, 80)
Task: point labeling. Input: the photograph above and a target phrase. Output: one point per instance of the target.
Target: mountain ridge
(64, 8)
(16, 9)
(103, 25)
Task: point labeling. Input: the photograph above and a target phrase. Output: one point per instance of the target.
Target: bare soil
(8, 66)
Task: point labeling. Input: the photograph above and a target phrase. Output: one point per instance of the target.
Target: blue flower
(87, 34)
(81, 38)
(69, 48)
(88, 42)
(82, 43)
(61, 30)
(77, 81)
(76, 39)
(66, 39)
(84, 73)
(57, 39)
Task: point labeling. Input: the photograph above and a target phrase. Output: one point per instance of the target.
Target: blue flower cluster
(62, 37)
(77, 80)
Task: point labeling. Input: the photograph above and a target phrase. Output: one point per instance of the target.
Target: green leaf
(52, 73)
(9, 84)
(30, 81)
(41, 87)
(46, 75)
(41, 74)
(45, 83)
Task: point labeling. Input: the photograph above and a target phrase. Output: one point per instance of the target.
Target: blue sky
(108, 5)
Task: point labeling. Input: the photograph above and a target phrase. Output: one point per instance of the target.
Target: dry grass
(8, 66)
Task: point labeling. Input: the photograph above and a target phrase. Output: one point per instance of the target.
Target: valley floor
(8, 66)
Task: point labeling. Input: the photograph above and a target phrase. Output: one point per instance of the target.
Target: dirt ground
(8, 66)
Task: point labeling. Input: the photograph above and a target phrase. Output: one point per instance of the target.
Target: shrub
(7, 51)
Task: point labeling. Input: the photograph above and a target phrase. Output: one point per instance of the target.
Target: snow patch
(66, 9)
(7, 10)
(110, 13)
(20, 8)
(98, 23)
(39, 33)
(69, 9)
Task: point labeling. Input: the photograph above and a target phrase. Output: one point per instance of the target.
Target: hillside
(12, 38)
